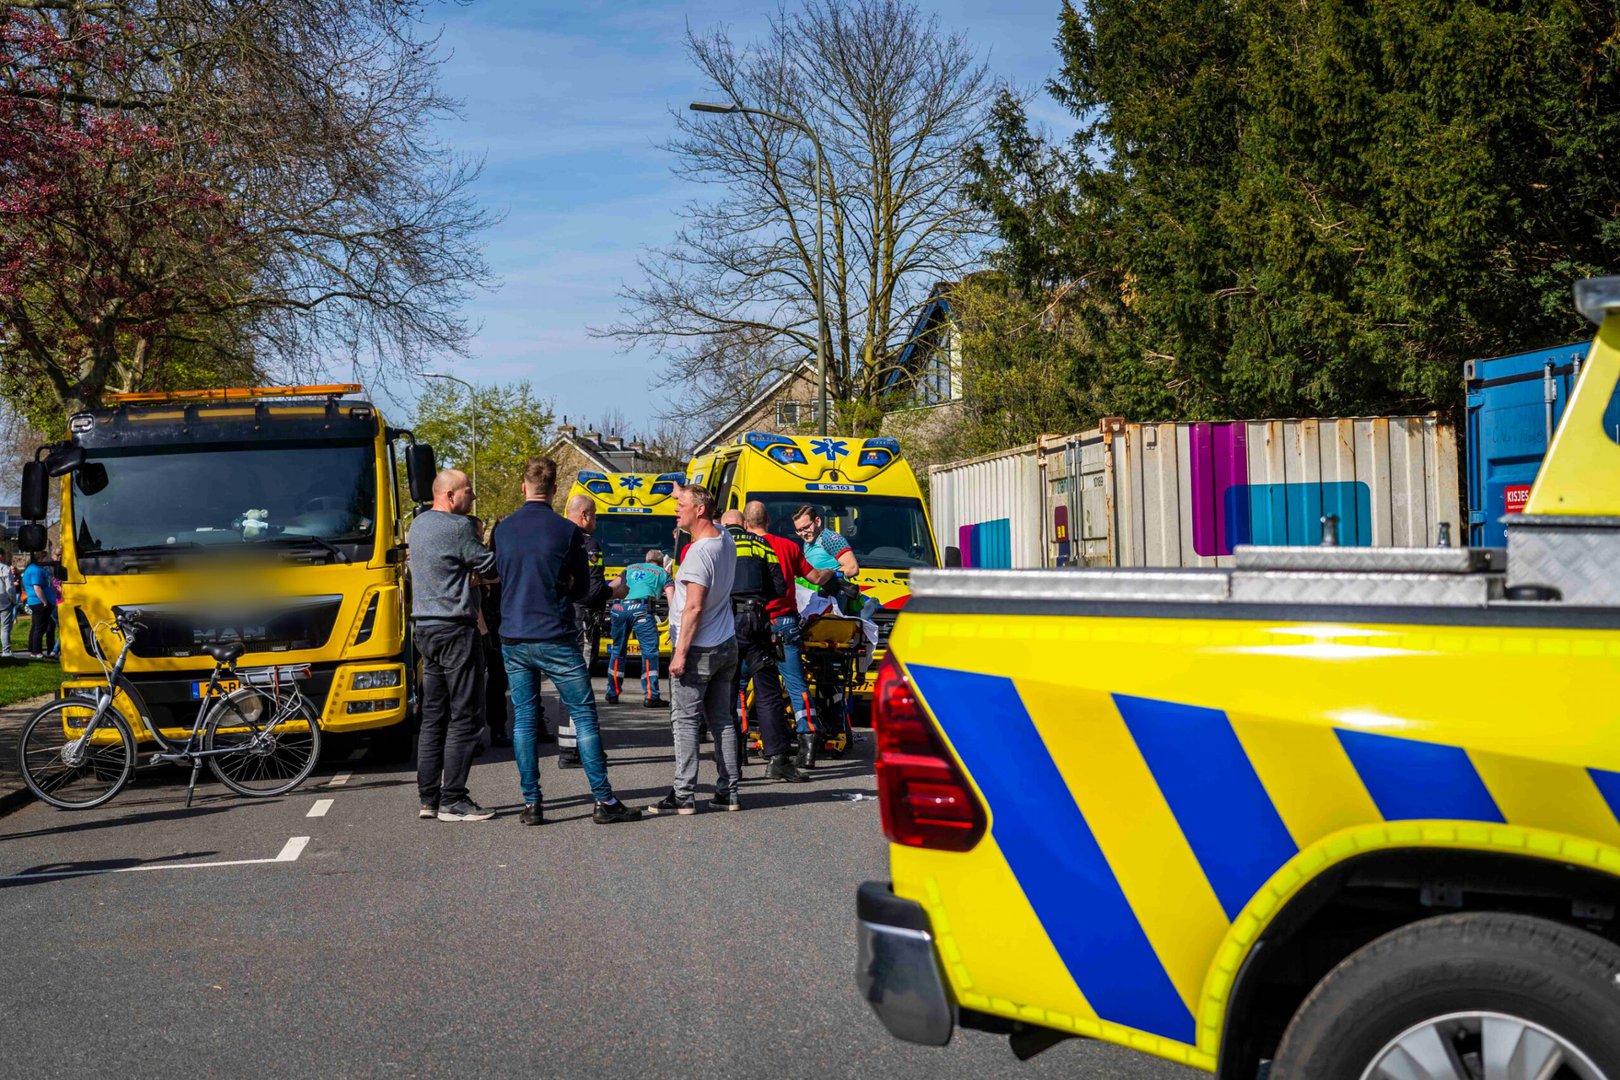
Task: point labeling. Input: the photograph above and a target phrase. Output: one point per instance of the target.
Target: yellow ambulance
(635, 512)
(865, 490)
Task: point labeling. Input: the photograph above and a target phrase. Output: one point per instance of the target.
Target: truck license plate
(226, 686)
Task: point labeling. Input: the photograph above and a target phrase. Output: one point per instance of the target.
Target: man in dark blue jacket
(544, 571)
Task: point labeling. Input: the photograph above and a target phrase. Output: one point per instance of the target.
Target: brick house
(574, 450)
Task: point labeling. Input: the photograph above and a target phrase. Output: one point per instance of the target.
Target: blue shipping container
(1514, 405)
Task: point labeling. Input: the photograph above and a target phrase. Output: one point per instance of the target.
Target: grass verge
(21, 678)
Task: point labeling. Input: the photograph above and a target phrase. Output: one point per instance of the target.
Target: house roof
(614, 457)
(728, 426)
(936, 311)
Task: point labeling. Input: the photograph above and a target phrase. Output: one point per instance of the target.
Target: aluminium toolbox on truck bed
(1186, 494)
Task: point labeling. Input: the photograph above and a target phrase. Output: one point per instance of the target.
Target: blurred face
(587, 519)
(808, 527)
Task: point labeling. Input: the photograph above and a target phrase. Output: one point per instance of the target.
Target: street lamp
(821, 248)
(472, 412)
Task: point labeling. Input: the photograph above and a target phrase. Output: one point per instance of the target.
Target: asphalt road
(712, 946)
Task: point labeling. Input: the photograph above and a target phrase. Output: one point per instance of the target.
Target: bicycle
(78, 753)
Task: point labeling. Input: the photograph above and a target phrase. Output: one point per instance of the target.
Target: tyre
(269, 747)
(1463, 997)
(67, 770)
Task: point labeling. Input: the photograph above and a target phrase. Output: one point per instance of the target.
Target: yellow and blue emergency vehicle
(865, 489)
(1330, 814)
(635, 513)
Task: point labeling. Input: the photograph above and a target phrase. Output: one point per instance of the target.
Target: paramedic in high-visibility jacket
(644, 583)
(759, 581)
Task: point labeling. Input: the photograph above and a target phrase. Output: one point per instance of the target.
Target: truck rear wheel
(1463, 997)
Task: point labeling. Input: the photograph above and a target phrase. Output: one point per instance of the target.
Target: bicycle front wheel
(258, 745)
(69, 766)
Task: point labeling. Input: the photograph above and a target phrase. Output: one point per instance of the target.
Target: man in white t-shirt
(703, 664)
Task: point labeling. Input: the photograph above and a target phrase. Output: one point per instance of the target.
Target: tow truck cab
(1330, 813)
(269, 516)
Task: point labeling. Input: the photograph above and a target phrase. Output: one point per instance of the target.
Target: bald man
(445, 558)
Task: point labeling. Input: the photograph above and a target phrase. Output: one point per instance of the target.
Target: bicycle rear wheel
(268, 746)
(69, 769)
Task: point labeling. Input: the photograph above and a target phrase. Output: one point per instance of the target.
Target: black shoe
(781, 768)
(673, 804)
(655, 703)
(500, 741)
(464, 810)
(569, 759)
(807, 751)
(614, 812)
(531, 815)
(722, 801)
(611, 699)
(429, 811)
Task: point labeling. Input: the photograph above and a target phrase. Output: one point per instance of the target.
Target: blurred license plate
(226, 686)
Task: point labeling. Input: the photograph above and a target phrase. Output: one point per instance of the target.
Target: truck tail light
(924, 799)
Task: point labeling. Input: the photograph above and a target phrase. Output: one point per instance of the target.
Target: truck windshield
(887, 531)
(626, 538)
(196, 496)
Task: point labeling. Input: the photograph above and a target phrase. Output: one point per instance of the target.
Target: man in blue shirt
(544, 571)
(39, 590)
(646, 582)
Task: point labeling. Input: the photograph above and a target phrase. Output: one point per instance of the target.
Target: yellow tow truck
(1333, 813)
(269, 516)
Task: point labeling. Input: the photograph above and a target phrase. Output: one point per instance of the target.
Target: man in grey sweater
(445, 559)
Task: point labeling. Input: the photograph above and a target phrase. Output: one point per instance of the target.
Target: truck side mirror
(31, 537)
(420, 471)
(65, 461)
(953, 558)
(36, 492)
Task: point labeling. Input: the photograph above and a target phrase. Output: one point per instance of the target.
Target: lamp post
(472, 413)
(821, 248)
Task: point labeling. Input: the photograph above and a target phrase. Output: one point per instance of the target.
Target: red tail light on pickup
(924, 798)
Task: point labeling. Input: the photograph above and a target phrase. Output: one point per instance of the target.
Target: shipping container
(1514, 405)
(1186, 494)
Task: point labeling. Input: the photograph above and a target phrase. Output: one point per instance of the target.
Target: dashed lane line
(290, 851)
(339, 780)
(320, 808)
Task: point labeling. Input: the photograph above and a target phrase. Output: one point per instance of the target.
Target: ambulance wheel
(1463, 997)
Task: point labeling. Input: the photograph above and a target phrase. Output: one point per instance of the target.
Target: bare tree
(206, 189)
(896, 102)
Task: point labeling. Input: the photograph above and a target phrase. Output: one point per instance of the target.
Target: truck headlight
(376, 680)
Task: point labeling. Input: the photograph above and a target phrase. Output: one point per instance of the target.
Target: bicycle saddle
(227, 652)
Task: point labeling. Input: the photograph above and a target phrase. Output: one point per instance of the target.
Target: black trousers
(495, 686)
(756, 659)
(452, 691)
(41, 628)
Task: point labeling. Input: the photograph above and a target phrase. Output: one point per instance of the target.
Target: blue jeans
(627, 616)
(789, 633)
(561, 662)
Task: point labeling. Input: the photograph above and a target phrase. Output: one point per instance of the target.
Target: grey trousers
(703, 694)
(8, 616)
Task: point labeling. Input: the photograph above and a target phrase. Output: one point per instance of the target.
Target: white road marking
(339, 780)
(357, 753)
(290, 851)
(320, 808)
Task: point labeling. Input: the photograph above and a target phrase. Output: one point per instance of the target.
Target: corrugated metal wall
(990, 508)
(1186, 494)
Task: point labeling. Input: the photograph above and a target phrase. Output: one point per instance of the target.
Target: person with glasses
(824, 548)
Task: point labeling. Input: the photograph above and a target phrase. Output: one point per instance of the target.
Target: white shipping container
(1186, 494)
(991, 507)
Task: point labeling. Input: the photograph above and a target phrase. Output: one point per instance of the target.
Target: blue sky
(566, 103)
